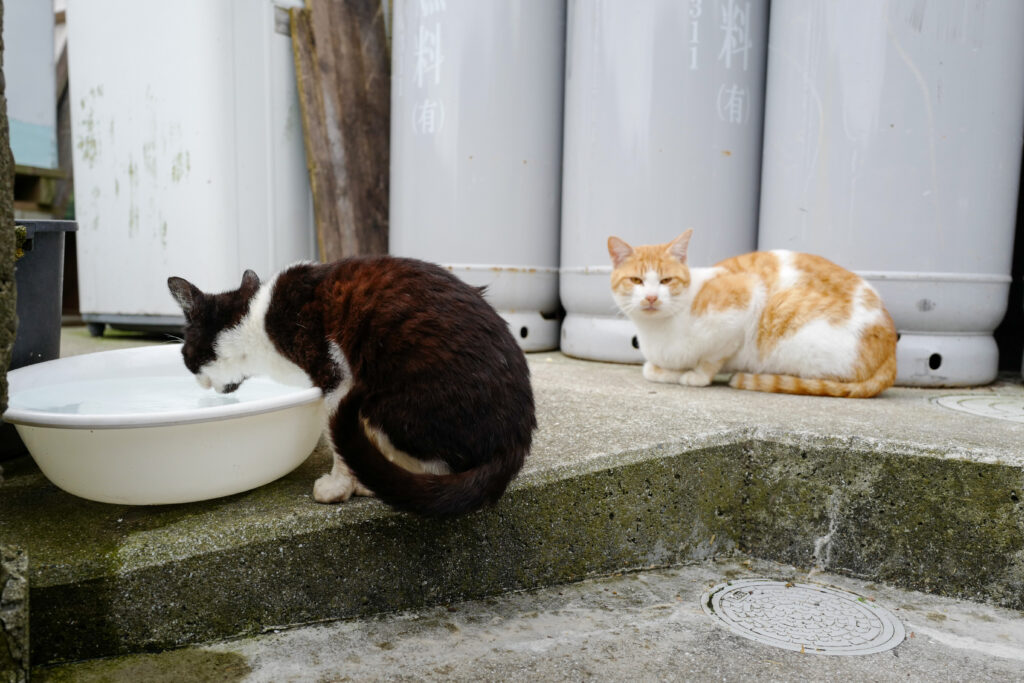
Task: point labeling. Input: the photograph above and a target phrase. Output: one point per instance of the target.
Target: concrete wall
(13, 563)
(7, 318)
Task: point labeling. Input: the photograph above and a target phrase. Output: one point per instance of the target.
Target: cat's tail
(429, 495)
(883, 378)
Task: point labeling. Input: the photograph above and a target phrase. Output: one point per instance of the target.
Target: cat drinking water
(428, 395)
(780, 321)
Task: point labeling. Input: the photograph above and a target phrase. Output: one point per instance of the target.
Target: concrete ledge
(624, 474)
(14, 643)
(633, 626)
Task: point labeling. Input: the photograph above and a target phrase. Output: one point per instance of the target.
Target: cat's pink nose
(651, 298)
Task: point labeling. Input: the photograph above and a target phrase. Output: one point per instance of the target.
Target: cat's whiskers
(629, 307)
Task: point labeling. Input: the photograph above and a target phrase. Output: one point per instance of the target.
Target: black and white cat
(428, 395)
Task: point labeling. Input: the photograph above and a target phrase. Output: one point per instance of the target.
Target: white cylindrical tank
(893, 147)
(663, 116)
(188, 151)
(476, 148)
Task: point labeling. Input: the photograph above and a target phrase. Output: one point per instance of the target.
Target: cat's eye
(667, 280)
(636, 280)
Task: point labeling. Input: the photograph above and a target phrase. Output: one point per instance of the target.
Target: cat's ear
(618, 250)
(679, 245)
(250, 280)
(185, 293)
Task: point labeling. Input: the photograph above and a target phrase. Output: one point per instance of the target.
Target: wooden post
(344, 79)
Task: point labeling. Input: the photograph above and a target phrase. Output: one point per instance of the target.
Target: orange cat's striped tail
(883, 378)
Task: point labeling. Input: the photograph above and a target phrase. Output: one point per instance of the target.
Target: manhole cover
(1000, 407)
(803, 617)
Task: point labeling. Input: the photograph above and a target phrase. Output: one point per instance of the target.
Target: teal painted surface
(33, 144)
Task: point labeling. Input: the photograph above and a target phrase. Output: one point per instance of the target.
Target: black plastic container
(39, 276)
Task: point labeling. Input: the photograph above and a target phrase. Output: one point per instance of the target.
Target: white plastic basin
(133, 427)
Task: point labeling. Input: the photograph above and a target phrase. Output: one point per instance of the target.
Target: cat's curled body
(780, 321)
(427, 394)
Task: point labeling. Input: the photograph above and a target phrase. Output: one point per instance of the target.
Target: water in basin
(138, 396)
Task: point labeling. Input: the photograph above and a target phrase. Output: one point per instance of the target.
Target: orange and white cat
(781, 321)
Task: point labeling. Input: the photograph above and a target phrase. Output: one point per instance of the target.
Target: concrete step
(624, 475)
(646, 626)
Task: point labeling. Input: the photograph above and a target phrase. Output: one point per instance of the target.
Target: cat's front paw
(694, 378)
(652, 373)
(334, 488)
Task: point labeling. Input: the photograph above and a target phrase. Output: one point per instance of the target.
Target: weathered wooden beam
(344, 79)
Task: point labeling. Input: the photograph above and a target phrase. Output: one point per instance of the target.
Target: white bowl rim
(36, 418)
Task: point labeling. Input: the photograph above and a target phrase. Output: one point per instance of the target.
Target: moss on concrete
(124, 580)
(369, 560)
(14, 622)
(197, 666)
(936, 525)
(20, 236)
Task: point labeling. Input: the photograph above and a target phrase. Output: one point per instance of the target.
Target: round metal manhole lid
(991, 405)
(803, 617)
